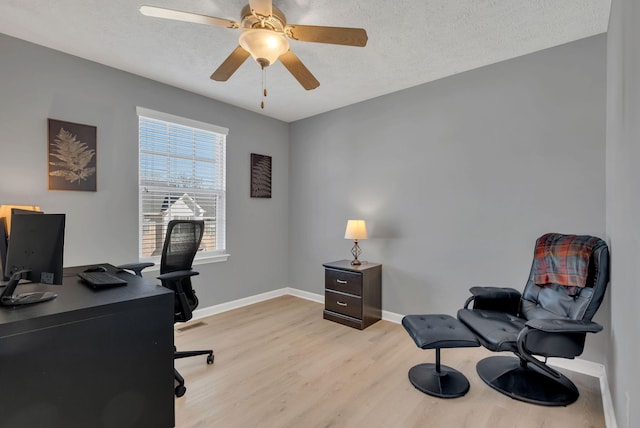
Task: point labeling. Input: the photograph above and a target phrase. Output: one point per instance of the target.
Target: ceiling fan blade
(332, 35)
(298, 70)
(260, 8)
(159, 12)
(230, 65)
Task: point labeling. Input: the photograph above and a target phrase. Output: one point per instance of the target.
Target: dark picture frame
(260, 176)
(72, 156)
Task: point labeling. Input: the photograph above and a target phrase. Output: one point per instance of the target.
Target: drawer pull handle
(341, 303)
(339, 281)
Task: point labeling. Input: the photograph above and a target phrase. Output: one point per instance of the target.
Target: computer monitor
(25, 211)
(3, 248)
(37, 244)
(7, 210)
(4, 233)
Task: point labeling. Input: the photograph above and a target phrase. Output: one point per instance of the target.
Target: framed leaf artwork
(260, 176)
(72, 156)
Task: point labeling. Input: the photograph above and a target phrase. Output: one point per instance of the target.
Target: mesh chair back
(181, 245)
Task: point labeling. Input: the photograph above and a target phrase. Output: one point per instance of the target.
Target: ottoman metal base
(443, 381)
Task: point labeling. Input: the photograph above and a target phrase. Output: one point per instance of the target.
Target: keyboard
(99, 280)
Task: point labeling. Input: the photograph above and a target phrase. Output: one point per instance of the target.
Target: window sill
(214, 258)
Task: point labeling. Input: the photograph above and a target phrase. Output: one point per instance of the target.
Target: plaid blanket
(563, 259)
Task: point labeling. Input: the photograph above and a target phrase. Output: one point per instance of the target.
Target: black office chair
(181, 244)
(546, 320)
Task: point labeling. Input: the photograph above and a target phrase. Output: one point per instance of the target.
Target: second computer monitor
(36, 243)
(4, 239)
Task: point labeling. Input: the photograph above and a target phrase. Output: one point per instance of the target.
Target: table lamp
(5, 211)
(356, 229)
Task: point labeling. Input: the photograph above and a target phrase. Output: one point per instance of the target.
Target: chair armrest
(173, 281)
(564, 326)
(179, 274)
(136, 267)
(495, 299)
(541, 330)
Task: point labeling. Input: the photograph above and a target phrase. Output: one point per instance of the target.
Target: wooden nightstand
(353, 294)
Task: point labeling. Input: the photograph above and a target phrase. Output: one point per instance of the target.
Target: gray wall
(456, 178)
(38, 83)
(623, 207)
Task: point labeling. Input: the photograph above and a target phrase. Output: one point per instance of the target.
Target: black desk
(88, 358)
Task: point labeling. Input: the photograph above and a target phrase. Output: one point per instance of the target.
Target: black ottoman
(435, 332)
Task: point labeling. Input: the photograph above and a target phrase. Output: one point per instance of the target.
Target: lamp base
(355, 252)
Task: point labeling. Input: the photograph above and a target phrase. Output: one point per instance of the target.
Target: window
(181, 176)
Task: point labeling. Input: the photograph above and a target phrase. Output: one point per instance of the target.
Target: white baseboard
(235, 304)
(576, 365)
(392, 317)
(596, 370)
(305, 295)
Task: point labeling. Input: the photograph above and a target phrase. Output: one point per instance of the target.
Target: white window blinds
(181, 176)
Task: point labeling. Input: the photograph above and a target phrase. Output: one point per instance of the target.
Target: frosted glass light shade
(265, 46)
(356, 229)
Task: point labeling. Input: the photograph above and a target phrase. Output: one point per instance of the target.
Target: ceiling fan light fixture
(265, 36)
(265, 46)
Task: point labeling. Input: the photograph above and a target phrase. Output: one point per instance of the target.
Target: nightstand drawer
(343, 304)
(343, 281)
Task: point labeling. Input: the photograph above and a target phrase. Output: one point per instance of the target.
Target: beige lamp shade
(5, 211)
(356, 229)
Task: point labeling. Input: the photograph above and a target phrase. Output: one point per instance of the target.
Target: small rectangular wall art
(72, 156)
(260, 176)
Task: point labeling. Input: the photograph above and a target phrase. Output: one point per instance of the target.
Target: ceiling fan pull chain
(264, 86)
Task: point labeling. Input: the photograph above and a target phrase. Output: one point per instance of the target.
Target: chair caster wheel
(180, 390)
(210, 359)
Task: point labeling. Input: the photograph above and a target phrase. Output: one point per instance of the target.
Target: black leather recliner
(544, 321)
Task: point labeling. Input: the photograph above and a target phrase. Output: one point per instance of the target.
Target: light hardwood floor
(279, 364)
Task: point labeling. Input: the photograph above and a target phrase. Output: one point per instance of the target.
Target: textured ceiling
(410, 42)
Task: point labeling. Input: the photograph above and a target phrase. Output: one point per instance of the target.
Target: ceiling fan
(265, 36)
